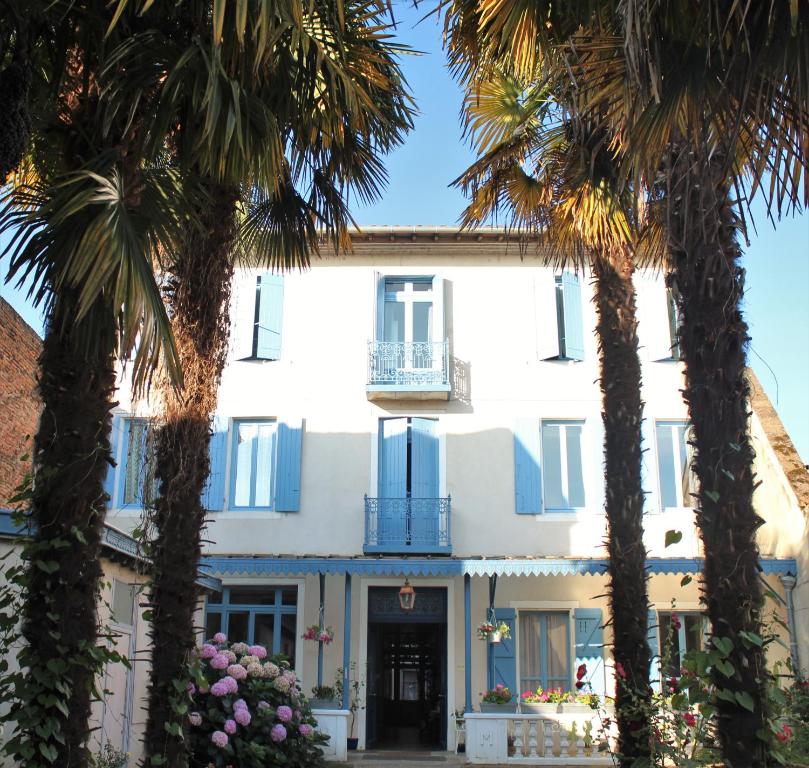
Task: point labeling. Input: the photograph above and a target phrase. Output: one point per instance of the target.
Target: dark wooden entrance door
(407, 675)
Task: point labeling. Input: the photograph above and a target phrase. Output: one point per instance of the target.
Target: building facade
(426, 410)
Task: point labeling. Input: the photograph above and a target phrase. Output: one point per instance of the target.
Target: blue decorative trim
(278, 566)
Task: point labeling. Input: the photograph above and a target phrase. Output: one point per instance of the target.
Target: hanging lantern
(407, 597)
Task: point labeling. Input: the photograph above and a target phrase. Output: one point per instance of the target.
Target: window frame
(543, 677)
(225, 608)
(123, 463)
(563, 463)
(234, 464)
(682, 501)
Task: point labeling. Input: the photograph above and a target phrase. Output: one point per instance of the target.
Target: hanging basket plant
(493, 632)
(319, 634)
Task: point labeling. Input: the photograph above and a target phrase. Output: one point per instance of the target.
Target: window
(677, 483)
(558, 307)
(265, 615)
(252, 460)
(679, 636)
(562, 474)
(674, 323)
(137, 466)
(268, 317)
(544, 650)
(123, 602)
(408, 310)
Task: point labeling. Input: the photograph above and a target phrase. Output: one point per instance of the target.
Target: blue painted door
(423, 523)
(391, 523)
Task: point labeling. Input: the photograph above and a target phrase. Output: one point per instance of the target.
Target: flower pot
(577, 709)
(504, 709)
(324, 703)
(539, 708)
(495, 637)
(352, 743)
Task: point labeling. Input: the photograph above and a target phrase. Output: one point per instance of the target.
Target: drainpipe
(789, 581)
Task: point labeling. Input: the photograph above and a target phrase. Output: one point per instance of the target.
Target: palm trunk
(60, 623)
(713, 337)
(198, 295)
(623, 411)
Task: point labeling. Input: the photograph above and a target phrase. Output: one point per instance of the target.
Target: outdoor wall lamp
(407, 596)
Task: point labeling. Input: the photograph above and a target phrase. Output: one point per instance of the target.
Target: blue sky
(777, 260)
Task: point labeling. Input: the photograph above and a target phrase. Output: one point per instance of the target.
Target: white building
(427, 409)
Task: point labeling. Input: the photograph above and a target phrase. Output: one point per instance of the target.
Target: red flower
(675, 621)
(581, 671)
(784, 735)
(579, 685)
(690, 720)
(619, 670)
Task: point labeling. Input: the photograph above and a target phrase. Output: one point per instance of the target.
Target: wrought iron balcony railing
(407, 525)
(408, 363)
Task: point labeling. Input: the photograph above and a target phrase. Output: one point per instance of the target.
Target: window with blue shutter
(502, 656)
(288, 465)
(677, 482)
(269, 316)
(252, 461)
(544, 650)
(569, 317)
(527, 471)
(562, 469)
(589, 639)
(408, 459)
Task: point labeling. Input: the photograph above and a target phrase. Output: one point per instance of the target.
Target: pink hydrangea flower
(237, 671)
(304, 729)
(278, 733)
(231, 657)
(207, 651)
(220, 688)
(259, 651)
(232, 685)
(240, 648)
(263, 705)
(242, 716)
(281, 684)
(219, 661)
(220, 739)
(255, 670)
(195, 718)
(190, 689)
(239, 704)
(284, 713)
(230, 726)
(290, 675)
(271, 669)
(219, 638)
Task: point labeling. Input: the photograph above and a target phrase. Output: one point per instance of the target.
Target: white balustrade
(555, 738)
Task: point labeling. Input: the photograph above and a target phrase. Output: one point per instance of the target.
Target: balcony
(408, 370)
(407, 526)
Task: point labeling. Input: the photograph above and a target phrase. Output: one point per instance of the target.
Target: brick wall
(19, 405)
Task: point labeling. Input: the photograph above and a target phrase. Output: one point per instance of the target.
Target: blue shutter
(424, 459)
(213, 495)
(654, 647)
(574, 332)
(270, 317)
(115, 441)
(392, 459)
(648, 467)
(504, 667)
(124, 438)
(590, 647)
(527, 472)
(288, 466)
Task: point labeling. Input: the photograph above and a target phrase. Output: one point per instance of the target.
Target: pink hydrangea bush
(246, 710)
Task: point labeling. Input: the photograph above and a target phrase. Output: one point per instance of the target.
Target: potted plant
(498, 699)
(319, 634)
(355, 701)
(493, 632)
(324, 697)
(539, 702)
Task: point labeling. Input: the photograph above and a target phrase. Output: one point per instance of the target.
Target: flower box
(540, 708)
(324, 703)
(489, 708)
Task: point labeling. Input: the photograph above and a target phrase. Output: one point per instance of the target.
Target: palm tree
(558, 179)
(705, 99)
(319, 102)
(85, 218)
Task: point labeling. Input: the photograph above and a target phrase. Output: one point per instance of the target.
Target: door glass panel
(394, 321)
(265, 630)
(575, 476)
(213, 624)
(423, 285)
(248, 596)
(289, 596)
(665, 462)
(264, 451)
(693, 631)
(422, 321)
(237, 627)
(244, 464)
(394, 286)
(288, 635)
(529, 651)
(557, 650)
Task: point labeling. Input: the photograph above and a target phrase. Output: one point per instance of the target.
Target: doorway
(407, 671)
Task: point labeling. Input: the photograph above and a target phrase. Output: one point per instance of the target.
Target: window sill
(246, 514)
(566, 515)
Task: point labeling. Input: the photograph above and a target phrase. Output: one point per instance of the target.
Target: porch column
(491, 618)
(467, 641)
(789, 581)
(347, 643)
(320, 622)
